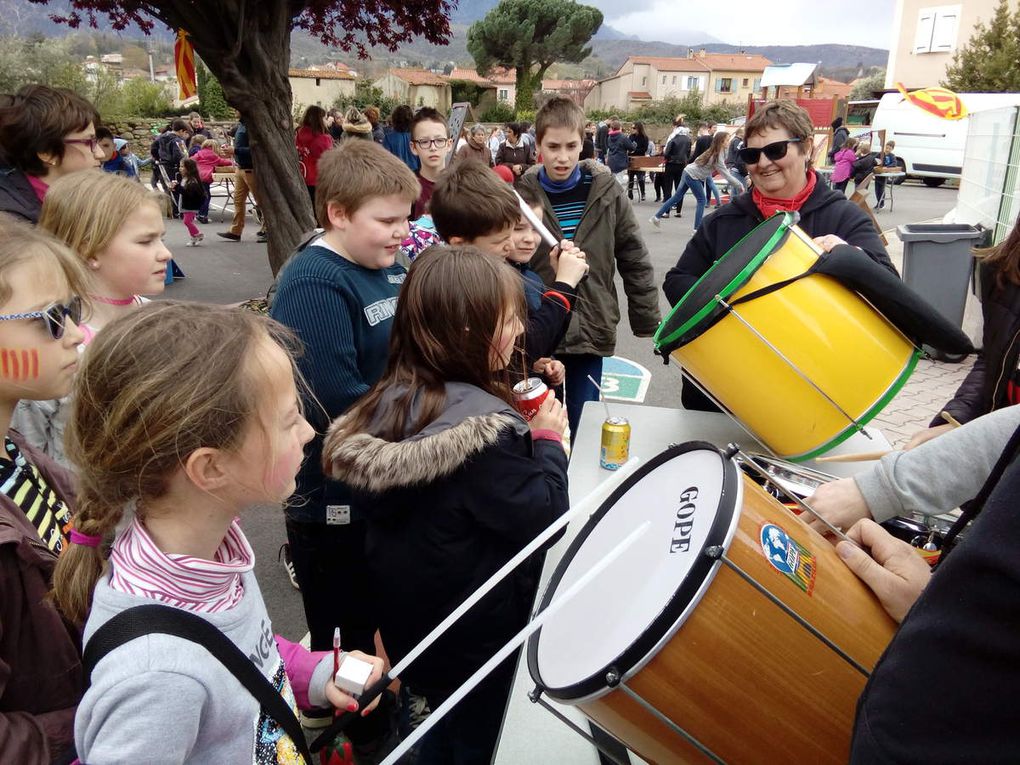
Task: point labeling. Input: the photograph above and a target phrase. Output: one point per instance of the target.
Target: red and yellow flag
(943, 103)
(184, 58)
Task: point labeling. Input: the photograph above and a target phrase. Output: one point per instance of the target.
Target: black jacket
(171, 149)
(617, 151)
(944, 690)
(17, 197)
(446, 508)
(678, 150)
(824, 212)
(701, 145)
(640, 148)
(984, 389)
(864, 166)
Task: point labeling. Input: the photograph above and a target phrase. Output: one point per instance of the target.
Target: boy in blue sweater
(339, 295)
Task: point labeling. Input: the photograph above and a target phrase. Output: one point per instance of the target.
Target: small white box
(352, 677)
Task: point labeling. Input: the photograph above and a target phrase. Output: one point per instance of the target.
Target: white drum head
(689, 493)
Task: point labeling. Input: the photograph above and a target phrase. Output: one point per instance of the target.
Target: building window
(693, 83)
(663, 79)
(724, 85)
(746, 81)
(318, 82)
(504, 94)
(644, 81)
(674, 79)
(937, 29)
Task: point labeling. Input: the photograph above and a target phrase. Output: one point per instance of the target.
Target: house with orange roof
(716, 77)
(502, 84)
(320, 87)
(416, 87)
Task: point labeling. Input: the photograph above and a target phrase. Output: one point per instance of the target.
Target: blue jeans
(697, 189)
(711, 188)
(578, 387)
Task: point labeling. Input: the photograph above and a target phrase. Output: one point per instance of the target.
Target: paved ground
(225, 272)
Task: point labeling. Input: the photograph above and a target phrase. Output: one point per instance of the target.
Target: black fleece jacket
(17, 197)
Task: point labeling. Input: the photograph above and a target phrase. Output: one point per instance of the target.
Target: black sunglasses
(52, 315)
(774, 151)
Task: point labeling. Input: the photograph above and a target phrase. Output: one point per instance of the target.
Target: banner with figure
(184, 60)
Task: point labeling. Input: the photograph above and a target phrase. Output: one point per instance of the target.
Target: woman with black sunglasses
(45, 133)
(778, 155)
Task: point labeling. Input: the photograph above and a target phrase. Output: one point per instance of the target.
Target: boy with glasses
(430, 143)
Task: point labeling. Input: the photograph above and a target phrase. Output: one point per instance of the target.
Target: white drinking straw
(536, 222)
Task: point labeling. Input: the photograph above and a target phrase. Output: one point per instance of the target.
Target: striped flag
(184, 58)
(943, 103)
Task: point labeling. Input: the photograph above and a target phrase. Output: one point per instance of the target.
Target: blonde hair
(21, 243)
(356, 171)
(155, 385)
(210, 143)
(87, 210)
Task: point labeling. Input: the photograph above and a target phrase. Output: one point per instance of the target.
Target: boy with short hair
(586, 206)
(339, 295)
(471, 205)
(430, 143)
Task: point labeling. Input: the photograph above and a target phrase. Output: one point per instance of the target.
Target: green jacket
(609, 235)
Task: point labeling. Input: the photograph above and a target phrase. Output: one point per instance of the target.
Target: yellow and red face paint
(19, 364)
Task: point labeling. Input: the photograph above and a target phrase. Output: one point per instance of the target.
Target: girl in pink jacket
(843, 164)
(208, 159)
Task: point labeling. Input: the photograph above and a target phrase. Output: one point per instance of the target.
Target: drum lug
(715, 552)
(613, 677)
(731, 450)
(536, 694)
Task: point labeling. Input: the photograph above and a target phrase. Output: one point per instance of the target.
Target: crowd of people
(374, 405)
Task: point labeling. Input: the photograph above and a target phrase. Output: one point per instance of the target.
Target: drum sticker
(789, 557)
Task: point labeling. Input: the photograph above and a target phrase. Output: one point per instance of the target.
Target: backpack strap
(158, 619)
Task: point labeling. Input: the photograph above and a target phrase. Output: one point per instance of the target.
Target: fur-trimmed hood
(472, 421)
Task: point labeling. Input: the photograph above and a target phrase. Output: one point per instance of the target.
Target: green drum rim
(789, 220)
(869, 415)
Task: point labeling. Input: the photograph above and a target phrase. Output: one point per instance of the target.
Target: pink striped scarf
(184, 581)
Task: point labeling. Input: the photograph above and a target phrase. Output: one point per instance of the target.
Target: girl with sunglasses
(45, 134)
(40, 672)
(115, 228)
(779, 138)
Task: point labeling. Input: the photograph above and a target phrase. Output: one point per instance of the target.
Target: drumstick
(950, 419)
(859, 457)
(536, 222)
(516, 641)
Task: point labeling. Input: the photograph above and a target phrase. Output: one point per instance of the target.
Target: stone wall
(139, 132)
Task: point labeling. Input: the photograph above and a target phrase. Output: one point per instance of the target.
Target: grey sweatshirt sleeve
(940, 474)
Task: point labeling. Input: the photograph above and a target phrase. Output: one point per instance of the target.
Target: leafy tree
(865, 89)
(366, 95)
(141, 98)
(246, 46)
(990, 61)
(529, 36)
(210, 95)
(498, 112)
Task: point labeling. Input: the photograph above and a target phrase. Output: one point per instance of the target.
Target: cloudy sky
(752, 22)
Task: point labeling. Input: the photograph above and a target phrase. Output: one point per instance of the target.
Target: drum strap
(769, 289)
(970, 510)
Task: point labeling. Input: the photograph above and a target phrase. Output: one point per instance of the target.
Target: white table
(530, 734)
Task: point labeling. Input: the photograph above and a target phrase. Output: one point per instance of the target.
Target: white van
(928, 147)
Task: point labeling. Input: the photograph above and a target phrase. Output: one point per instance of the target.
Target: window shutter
(718, 85)
(925, 28)
(943, 39)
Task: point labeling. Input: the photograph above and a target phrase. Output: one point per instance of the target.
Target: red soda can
(529, 395)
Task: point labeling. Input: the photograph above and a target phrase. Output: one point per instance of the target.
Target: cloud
(748, 22)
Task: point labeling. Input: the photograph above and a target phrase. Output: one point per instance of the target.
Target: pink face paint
(19, 364)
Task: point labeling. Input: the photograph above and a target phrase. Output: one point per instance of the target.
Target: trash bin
(937, 265)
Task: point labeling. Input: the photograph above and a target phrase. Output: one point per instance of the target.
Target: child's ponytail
(82, 563)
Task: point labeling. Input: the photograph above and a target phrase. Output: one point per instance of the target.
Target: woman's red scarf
(769, 206)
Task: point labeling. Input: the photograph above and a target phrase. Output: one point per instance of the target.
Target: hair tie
(85, 540)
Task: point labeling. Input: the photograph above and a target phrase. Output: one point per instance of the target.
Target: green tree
(141, 98)
(990, 61)
(529, 36)
(210, 95)
(866, 88)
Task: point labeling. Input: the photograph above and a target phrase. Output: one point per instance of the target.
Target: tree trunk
(247, 48)
(525, 100)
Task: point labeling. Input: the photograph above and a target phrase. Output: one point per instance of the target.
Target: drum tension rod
(716, 552)
(651, 709)
(802, 375)
(536, 697)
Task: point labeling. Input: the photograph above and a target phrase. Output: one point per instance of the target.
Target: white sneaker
(655, 221)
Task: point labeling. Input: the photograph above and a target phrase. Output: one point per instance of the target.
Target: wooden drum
(730, 623)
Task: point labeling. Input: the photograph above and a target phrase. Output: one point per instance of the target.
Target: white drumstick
(515, 642)
(536, 222)
(586, 505)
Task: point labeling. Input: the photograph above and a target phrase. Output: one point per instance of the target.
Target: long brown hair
(450, 308)
(1004, 258)
(154, 386)
(711, 155)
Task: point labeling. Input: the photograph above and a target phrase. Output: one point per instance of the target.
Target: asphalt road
(220, 271)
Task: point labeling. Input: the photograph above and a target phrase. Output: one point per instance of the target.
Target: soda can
(615, 443)
(529, 395)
